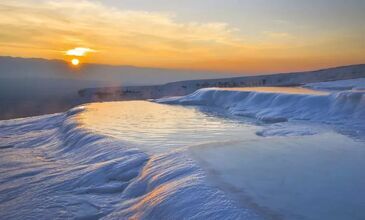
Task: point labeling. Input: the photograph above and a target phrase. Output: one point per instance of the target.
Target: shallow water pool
(159, 128)
(302, 171)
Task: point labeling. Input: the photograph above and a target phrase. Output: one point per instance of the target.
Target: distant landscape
(31, 87)
(37, 86)
(182, 88)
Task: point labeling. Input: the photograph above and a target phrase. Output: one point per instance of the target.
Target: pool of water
(158, 128)
(308, 171)
(305, 177)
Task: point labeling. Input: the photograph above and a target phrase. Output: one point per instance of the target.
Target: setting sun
(75, 62)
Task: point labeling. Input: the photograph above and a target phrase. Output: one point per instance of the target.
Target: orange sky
(122, 36)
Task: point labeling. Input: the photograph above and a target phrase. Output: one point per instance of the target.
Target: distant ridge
(185, 87)
(34, 86)
(107, 75)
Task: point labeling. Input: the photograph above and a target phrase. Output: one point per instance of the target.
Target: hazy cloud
(41, 28)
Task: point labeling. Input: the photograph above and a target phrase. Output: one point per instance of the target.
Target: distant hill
(34, 68)
(186, 87)
(39, 86)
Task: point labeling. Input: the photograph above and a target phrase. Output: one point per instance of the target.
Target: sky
(243, 36)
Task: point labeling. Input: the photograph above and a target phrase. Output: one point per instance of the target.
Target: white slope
(55, 167)
(51, 167)
(350, 84)
(297, 170)
(345, 109)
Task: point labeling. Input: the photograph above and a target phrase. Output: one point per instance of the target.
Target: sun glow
(75, 62)
(79, 51)
(282, 42)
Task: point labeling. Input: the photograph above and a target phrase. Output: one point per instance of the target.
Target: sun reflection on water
(159, 126)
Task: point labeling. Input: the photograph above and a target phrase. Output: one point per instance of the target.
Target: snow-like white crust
(337, 107)
(51, 167)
